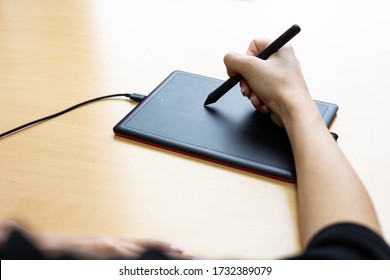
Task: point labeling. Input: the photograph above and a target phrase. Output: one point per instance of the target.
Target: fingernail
(242, 91)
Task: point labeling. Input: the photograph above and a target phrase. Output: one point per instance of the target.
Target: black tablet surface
(229, 132)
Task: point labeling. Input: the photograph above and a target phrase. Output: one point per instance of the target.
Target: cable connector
(135, 96)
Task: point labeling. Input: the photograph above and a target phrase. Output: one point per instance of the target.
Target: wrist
(301, 114)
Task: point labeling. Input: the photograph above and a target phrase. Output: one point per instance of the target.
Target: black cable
(133, 96)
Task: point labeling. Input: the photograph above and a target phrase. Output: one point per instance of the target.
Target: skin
(329, 190)
(96, 246)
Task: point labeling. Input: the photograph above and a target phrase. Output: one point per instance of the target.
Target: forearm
(329, 190)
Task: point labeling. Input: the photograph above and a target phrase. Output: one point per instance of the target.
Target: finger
(234, 62)
(245, 88)
(256, 46)
(226, 60)
(256, 102)
(9, 225)
(264, 109)
(246, 65)
(104, 247)
(171, 251)
(259, 104)
(95, 246)
(158, 245)
(6, 227)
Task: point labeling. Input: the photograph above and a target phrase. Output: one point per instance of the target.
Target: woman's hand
(96, 246)
(275, 86)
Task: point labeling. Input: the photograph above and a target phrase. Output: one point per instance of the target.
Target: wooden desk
(72, 175)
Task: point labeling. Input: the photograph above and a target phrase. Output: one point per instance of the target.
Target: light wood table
(72, 175)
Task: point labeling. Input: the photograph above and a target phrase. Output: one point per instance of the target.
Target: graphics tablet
(229, 132)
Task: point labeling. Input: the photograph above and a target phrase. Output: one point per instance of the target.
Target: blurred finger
(6, 227)
(159, 245)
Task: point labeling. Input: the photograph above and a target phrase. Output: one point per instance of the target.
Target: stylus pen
(265, 54)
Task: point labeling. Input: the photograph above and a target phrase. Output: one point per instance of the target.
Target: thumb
(240, 63)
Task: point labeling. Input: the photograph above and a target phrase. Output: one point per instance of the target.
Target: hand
(276, 85)
(96, 246)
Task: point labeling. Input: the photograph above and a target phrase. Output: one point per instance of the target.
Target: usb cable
(133, 96)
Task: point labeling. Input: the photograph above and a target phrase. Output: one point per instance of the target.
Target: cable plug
(135, 96)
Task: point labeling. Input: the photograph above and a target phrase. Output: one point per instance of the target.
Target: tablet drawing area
(230, 132)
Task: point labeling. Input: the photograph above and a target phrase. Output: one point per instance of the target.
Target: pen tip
(207, 102)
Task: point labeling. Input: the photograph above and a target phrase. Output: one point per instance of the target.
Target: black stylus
(265, 54)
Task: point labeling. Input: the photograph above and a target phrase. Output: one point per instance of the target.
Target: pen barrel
(231, 82)
(279, 42)
(267, 52)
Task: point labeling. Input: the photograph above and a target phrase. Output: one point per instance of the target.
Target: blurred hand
(95, 246)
